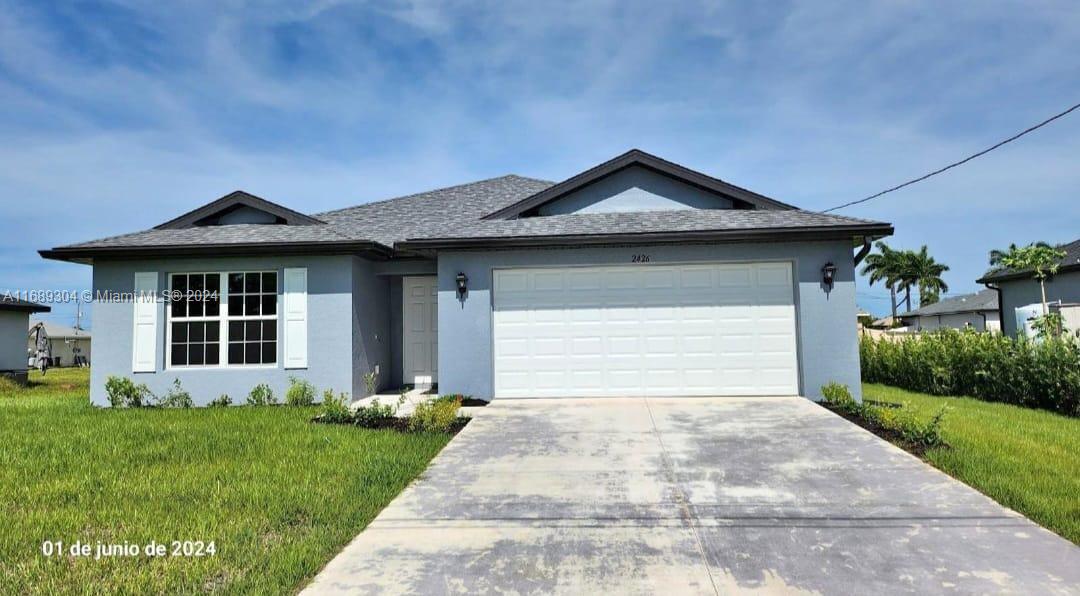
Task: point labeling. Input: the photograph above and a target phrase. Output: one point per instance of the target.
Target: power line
(958, 163)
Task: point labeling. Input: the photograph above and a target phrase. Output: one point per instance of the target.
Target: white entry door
(664, 330)
(420, 330)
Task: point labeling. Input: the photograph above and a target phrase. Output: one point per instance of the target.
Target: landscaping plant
(438, 415)
(335, 409)
(261, 395)
(221, 401)
(176, 397)
(919, 432)
(300, 392)
(990, 367)
(124, 393)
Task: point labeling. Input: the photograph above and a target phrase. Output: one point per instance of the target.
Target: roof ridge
(428, 192)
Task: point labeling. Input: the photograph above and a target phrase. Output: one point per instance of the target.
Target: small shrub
(335, 409)
(261, 395)
(900, 420)
(176, 397)
(374, 414)
(300, 392)
(371, 382)
(437, 415)
(124, 393)
(221, 401)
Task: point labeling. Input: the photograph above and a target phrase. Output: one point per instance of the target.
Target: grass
(278, 495)
(1025, 459)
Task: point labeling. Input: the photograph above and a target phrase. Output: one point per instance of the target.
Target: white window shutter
(296, 336)
(144, 342)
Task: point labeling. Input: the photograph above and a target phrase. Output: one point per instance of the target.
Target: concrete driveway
(691, 496)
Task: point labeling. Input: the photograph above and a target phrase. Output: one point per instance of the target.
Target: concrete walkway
(700, 496)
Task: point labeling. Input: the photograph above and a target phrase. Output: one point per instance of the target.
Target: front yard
(277, 495)
(1025, 459)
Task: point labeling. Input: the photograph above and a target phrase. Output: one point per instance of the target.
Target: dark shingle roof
(1070, 262)
(457, 212)
(642, 222)
(13, 303)
(978, 302)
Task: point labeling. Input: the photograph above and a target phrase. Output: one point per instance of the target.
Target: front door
(420, 307)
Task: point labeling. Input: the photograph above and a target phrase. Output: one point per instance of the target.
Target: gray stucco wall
(371, 326)
(828, 346)
(330, 331)
(1021, 292)
(13, 330)
(635, 189)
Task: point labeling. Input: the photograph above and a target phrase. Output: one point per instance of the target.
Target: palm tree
(921, 270)
(884, 266)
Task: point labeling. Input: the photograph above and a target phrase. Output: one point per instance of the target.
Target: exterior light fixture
(828, 272)
(462, 287)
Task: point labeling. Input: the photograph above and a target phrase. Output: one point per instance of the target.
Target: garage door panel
(704, 329)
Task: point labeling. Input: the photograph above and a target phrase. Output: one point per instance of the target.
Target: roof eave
(86, 255)
(994, 278)
(744, 235)
(27, 308)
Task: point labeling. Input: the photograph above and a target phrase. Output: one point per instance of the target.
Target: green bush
(300, 392)
(375, 413)
(221, 401)
(437, 415)
(335, 409)
(900, 420)
(124, 393)
(261, 395)
(991, 367)
(176, 397)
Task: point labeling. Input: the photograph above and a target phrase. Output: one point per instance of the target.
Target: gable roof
(637, 157)
(985, 300)
(233, 200)
(458, 215)
(13, 303)
(1070, 262)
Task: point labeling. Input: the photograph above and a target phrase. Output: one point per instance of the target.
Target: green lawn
(278, 495)
(1025, 459)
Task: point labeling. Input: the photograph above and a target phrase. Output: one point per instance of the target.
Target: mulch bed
(398, 424)
(891, 436)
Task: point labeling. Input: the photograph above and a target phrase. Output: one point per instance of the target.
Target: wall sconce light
(462, 287)
(828, 272)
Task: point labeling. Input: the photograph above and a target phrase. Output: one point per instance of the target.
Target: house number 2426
(639, 258)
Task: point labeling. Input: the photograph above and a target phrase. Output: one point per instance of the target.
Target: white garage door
(703, 329)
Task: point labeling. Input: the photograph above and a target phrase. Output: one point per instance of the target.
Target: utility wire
(958, 163)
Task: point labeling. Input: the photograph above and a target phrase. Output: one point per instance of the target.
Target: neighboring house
(14, 314)
(1018, 289)
(636, 277)
(67, 343)
(977, 311)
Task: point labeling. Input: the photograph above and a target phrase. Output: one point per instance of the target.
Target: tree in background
(884, 266)
(1040, 258)
(919, 269)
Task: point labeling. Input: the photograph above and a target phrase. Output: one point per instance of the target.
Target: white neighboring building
(978, 311)
(67, 343)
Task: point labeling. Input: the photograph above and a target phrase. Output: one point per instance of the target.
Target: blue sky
(118, 116)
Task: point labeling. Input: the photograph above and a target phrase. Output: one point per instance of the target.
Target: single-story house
(977, 311)
(14, 315)
(70, 346)
(635, 277)
(1019, 289)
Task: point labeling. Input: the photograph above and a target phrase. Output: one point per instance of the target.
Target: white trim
(223, 320)
(295, 318)
(144, 322)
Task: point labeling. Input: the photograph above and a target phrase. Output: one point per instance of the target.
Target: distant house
(70, 346)
(14, 314)
(977, 311)
(1019, 290)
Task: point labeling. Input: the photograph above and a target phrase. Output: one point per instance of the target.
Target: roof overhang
(572, 240)
(1012, 276)
(23, 306)
(636, 157)
(86, 255)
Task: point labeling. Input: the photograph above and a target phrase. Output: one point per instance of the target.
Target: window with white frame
(223, 319)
